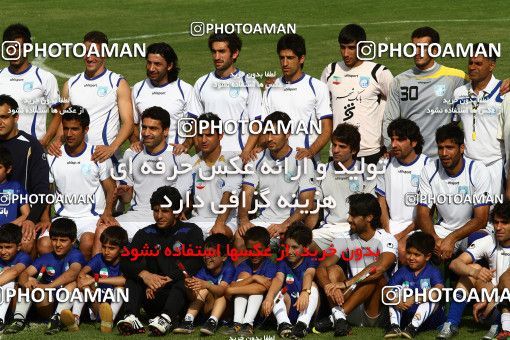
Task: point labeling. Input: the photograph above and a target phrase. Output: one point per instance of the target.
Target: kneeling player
(54, 270)
(208, 287)
(302, 297)
(417, 275)
(103, 272)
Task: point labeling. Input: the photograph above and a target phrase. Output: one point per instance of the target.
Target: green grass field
(318, 21)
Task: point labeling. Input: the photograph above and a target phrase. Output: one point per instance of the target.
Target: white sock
(116, 305)
(423, 311)
(254, 302)
(395, 316)
(280, 312)
(505, 321)
(189, 317)
(63, 305)
(313, 301)
(338, 312)
(214, 318)
(240, 303)
(7, 299)
(78, 307)
(22, 307)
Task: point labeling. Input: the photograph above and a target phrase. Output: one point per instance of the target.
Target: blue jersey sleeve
(76, 256)
(22, 257)
(269, 269)
(436, 278)
(242, 267)
(397, 278)
(95, 264)
(202, 275)
(229, 273)
(42, 261)
(282, 267)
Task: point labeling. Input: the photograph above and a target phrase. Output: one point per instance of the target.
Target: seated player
(211, 190)
(53, 270)
(340, 184)
(101, 272)
(208, 287)
(401, 178)
(372, 251)
(418, 275)
(9, 212)
(253, 279)
(12, 263)
(295, 177)
(157, 282)
(296, 272)
(449, 178)
(75, 175)
(492, 248)
(140, 171)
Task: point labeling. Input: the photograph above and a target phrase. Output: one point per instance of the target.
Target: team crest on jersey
(405, 284)
(440, 90)
(200, 184)
(220, 183)
(425, 283)
(234, 92)
(103, 272)
(85, 169)
(463, 189)
(50, 271)
(364, 81)
(337, 80)
(28, 86)
(177, 246)
(415, 180)
(102, 91)
(353, 185)
(287, 177)
(289, 279)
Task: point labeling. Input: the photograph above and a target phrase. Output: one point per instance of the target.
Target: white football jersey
(176, 97)
(293, 178)
(485, 108)
(456, 196)
(356, 98)
(98, 96)
(305, 100)
(400, 180)
(235, 98)
(35, 90)
(487, 247)
(79, 176)
(355, 250)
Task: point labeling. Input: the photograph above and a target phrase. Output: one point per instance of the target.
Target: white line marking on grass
(39, 61)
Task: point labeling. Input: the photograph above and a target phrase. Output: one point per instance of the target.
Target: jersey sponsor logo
(364, 81)
(90, 85)
(50, 271)
(28, 86)
(415, 180)
(440, 90)
(425, 283)
(103, 272)
(102, 91)
(234, 92)
(289, 279)
(463, 189)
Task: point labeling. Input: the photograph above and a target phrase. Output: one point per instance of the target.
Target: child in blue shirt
(11, 210)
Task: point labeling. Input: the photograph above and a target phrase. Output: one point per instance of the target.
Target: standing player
(107, 98)
(74, 174)
(230, 93)
(427, 87)
(303, 98)
(478, 105)
(451, 177)
(35, 89)
(358, 91)
(165, 89)
(401, 179)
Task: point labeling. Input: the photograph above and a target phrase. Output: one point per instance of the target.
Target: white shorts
(496, 172)
(325, 235)
(132, 221)
(206, 224)
(396, 226)
(460, 245)
(83, 225)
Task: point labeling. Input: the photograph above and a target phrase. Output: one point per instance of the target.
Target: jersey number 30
(409, 93)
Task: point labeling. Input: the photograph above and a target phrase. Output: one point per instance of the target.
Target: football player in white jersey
(74, 175)
(401, 178)
(165, 89)
(229, 93)
(377, 253)
(478, 105)
(460, 189)
(146, 170)
(34, 89)
(106, 96)
(358, 91)
(293, 180)
(304, 98)
(494, 249)
(341, 177)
